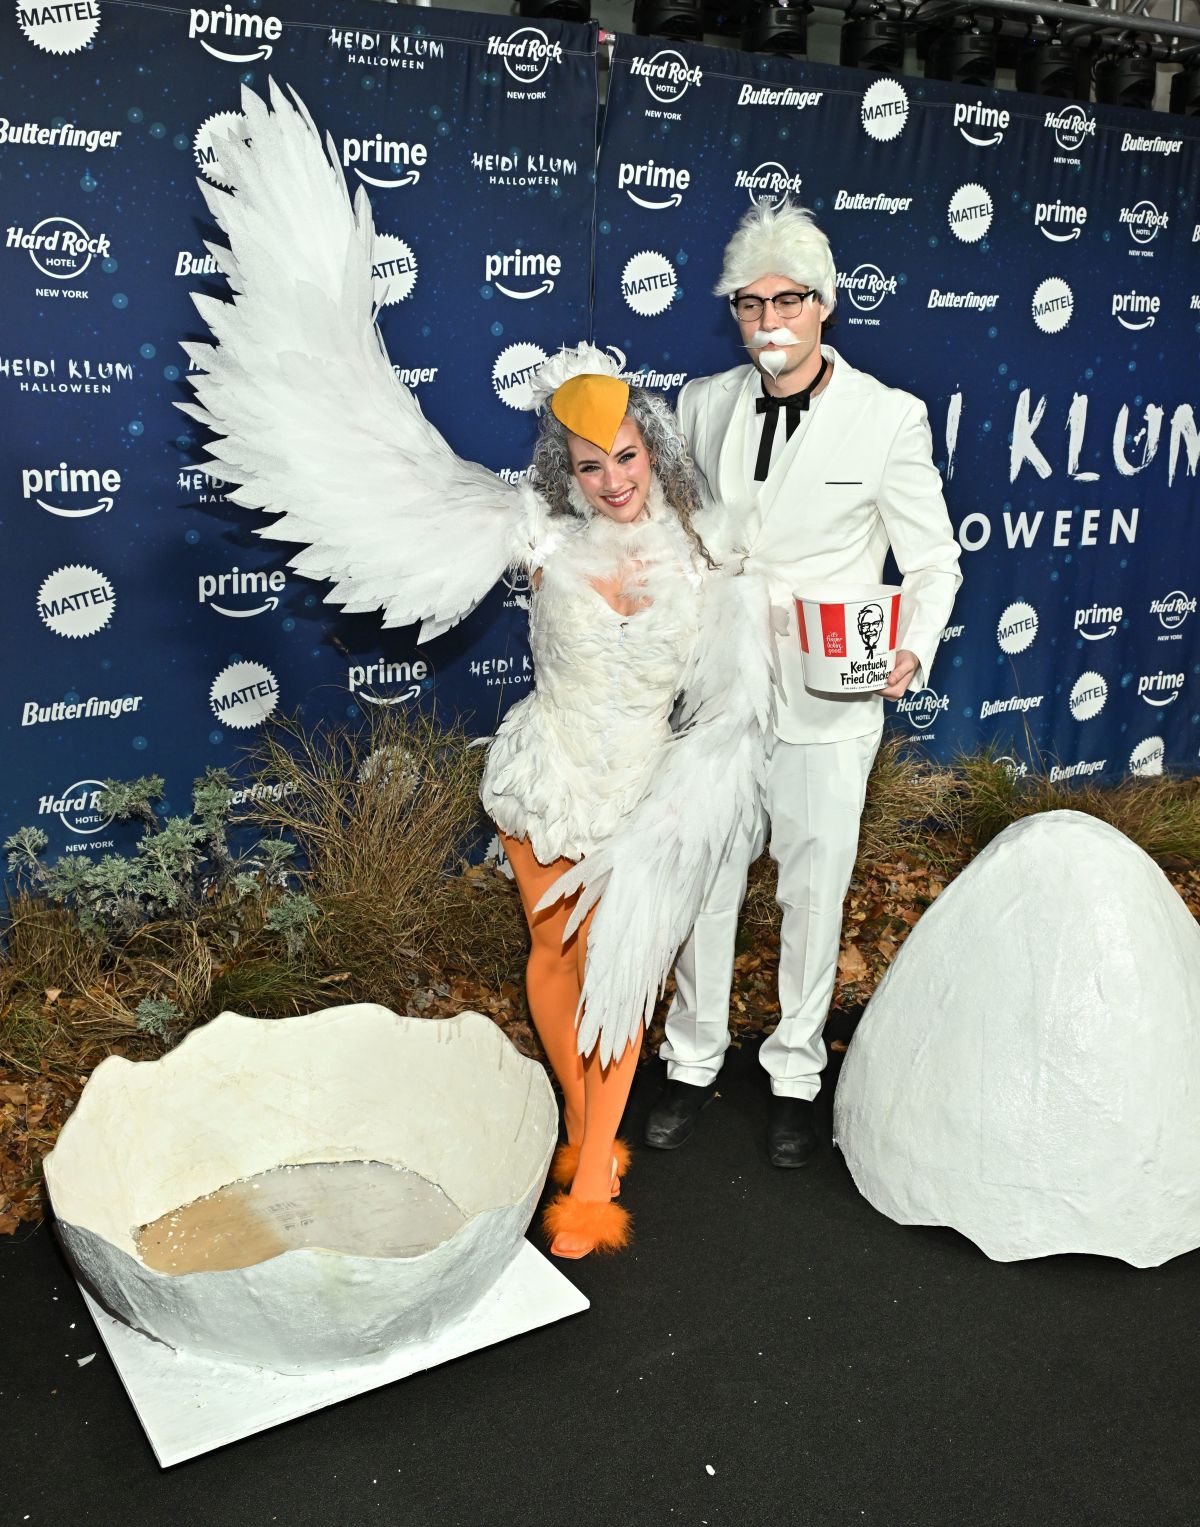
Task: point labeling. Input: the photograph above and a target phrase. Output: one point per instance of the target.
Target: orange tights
(594, 1096)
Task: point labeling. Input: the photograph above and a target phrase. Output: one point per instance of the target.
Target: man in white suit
(813, 470)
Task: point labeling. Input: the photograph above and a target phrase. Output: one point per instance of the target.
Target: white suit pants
(814, 801)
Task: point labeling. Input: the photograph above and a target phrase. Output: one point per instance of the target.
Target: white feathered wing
(313, 423)
(650, 878)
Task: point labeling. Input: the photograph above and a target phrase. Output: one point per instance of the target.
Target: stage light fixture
(962, 54)
(776, 26)
(873, 42)
(1125, 79)
(1185, 92)
(681, 19)
(556, 10)
(1054, 67)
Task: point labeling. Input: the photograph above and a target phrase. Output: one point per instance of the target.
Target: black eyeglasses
(786, 305)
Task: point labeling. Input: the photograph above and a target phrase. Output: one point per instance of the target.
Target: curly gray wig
(550, 471)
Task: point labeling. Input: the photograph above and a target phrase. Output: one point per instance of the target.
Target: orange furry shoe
(578, 1226)
(566, 1163)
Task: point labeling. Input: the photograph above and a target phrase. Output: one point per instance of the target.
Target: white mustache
(762, 337)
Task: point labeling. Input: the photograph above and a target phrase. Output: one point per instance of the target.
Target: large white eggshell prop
(450, 1100)
(1028, 1071)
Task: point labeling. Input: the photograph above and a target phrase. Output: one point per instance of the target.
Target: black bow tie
(793, 406)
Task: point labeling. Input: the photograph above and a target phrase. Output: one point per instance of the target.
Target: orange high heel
(604, 1225)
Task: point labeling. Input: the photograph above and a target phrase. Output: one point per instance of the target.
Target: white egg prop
(450, 1102)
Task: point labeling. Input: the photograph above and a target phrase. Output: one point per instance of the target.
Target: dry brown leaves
(883, 907)
(32, 1111)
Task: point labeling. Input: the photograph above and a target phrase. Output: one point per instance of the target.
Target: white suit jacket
(859, 478)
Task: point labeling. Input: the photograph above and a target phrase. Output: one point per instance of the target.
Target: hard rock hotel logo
(667, 75)
(59, 247)
(768, 184)
(866, 286)
(1072, 127)
(78, 807)
(526, 54)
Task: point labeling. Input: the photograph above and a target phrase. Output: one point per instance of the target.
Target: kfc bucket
(848, 635)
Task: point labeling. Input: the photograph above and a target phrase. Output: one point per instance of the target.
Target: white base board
(191, 1405)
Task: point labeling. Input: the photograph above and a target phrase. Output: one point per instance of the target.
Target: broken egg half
(304, 1193)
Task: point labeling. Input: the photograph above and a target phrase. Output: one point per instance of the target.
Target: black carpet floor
(772, 1353)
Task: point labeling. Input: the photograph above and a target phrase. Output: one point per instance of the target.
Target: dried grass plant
(382, 819)
(939, 816)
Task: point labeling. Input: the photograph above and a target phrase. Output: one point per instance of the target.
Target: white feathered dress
(573, 758)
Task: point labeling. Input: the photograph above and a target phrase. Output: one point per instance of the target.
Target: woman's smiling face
(615, 484)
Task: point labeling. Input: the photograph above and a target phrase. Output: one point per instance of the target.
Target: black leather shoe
(673, 1116)
(791, 1132)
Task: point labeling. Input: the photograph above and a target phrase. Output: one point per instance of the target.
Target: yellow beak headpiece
(592, 406)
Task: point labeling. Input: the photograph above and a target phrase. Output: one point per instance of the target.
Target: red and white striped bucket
(848, 635)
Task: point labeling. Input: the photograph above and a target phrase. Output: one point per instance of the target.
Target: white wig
(782, 241)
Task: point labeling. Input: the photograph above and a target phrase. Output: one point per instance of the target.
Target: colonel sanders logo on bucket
(848, 636)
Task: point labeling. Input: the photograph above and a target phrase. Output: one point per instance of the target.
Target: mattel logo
(970, 213)
(884, 110)
(244, 694)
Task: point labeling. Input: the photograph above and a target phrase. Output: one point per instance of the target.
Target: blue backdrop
(1027, 267)
(148, 629)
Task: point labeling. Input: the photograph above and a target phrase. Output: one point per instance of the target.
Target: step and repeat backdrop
(149, 630)
(1031, 270)
(1028, 268)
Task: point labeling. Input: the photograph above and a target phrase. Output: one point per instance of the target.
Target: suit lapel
(831, 428)
(731, 484)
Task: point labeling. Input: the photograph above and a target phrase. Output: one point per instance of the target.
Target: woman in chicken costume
(617, 782)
